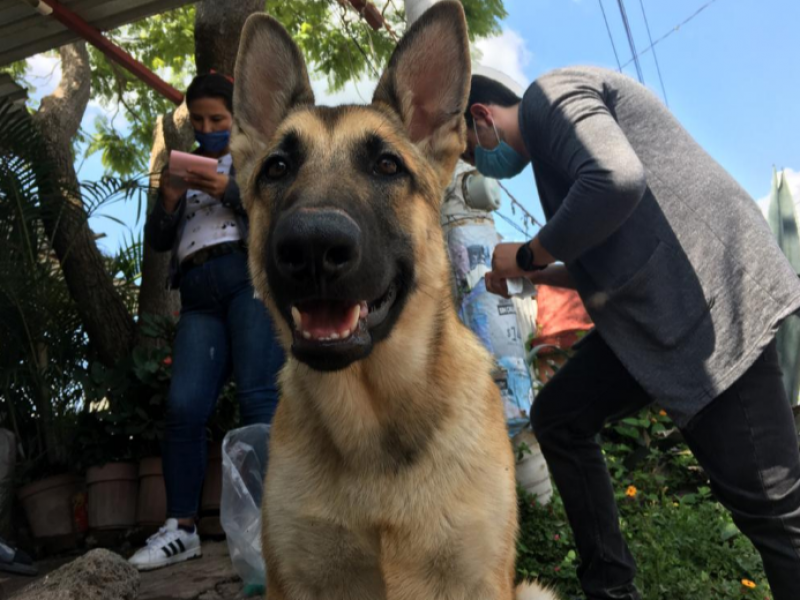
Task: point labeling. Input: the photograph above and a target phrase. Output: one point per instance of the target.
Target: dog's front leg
(310, 558)
(445, 582)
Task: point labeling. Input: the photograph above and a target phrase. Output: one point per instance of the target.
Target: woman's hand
(172, 188)
(213, 185)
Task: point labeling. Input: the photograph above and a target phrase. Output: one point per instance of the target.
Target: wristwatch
(525, 259)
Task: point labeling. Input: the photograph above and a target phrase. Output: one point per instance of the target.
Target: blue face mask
(501, 162)
(216, 141)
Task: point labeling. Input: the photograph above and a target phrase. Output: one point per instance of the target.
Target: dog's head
(344, 202)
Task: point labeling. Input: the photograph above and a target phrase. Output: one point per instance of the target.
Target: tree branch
(68, 102)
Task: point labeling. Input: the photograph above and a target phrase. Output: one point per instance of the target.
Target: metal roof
(24, 31)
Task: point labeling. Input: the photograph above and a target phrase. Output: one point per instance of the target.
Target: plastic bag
(244, 463)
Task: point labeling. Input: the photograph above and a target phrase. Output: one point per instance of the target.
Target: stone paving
(210, 577)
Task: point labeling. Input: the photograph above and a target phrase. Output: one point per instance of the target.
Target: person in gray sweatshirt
(686, 286)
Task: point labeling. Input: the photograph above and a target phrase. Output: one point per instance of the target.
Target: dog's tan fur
(394, 477)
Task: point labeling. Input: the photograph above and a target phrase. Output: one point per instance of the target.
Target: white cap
(499, 76)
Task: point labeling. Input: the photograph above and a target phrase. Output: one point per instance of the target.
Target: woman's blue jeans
(222, 330)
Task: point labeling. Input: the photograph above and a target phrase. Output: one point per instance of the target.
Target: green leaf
(628, 431)
(729, 532)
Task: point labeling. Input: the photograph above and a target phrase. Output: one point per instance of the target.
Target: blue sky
(732, 77)
(732, 74)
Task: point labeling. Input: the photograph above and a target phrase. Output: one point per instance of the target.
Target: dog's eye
(276, 168)
(387, 165)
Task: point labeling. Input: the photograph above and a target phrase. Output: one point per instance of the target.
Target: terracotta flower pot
(48, 506)
(151, 508)
(112, 496)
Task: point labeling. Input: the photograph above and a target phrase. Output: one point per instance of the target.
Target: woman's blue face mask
(501, 162)
(214, 141)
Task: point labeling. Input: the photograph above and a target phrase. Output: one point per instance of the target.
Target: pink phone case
(180, 162)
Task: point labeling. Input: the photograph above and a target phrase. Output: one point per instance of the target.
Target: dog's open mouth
(337, 322)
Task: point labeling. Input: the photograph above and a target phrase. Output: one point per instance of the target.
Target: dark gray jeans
(745, 440)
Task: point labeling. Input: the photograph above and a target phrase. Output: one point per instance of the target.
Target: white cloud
(44, 73)
(354, 92)
(507, 53)
(793, 181)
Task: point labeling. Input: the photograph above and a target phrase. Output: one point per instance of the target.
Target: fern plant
(43, 347)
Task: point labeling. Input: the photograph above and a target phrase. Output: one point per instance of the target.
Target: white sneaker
(168, 546)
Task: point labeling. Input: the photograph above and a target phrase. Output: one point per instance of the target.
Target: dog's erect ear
(270, 79)
(427, 80)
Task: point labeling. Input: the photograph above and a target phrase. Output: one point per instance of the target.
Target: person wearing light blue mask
(500, 162)
(686, 287)
(223, 331)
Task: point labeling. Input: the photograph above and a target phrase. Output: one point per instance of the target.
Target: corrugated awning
(11, 92)
(24, 31)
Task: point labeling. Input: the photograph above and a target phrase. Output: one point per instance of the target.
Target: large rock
(98, 575)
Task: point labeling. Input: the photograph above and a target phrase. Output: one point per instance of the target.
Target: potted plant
(151, 504)
(45, 348)
(119, 442)
(48, 505)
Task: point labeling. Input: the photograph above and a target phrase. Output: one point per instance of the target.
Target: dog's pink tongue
(326, 320)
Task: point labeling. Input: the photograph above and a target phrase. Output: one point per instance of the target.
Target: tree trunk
(218, 25)
(173, 132)
(108, 323)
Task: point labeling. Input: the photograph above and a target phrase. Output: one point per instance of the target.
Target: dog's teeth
(363, 310)
(345, 334)
(296, 317)
(355, 314)
(334, 336)
(307, 335)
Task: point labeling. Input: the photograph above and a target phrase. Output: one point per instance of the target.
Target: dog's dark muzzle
(317, 247)
(332, 285)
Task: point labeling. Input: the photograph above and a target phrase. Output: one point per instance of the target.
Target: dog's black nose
(320, 243)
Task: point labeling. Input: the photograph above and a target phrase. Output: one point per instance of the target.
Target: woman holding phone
(222, 330)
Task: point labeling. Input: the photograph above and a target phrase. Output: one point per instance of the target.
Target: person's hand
(213, 185)
(504, 261)
(496, 285)
(172, 188)
(554, 275)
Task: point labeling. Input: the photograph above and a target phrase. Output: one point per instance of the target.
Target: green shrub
(685, 544)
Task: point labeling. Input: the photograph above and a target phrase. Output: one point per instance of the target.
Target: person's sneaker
(168, 546)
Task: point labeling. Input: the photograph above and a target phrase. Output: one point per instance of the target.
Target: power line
(516, 202)
(655, 56)
(631, 43)
(671, 31)
(610, 37)
(512, 223)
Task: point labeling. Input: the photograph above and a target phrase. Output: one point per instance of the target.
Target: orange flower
(748, 584)
(663, 413)
(631, 491)
(167, 361)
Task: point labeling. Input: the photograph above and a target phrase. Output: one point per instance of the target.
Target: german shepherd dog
(391, 474)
